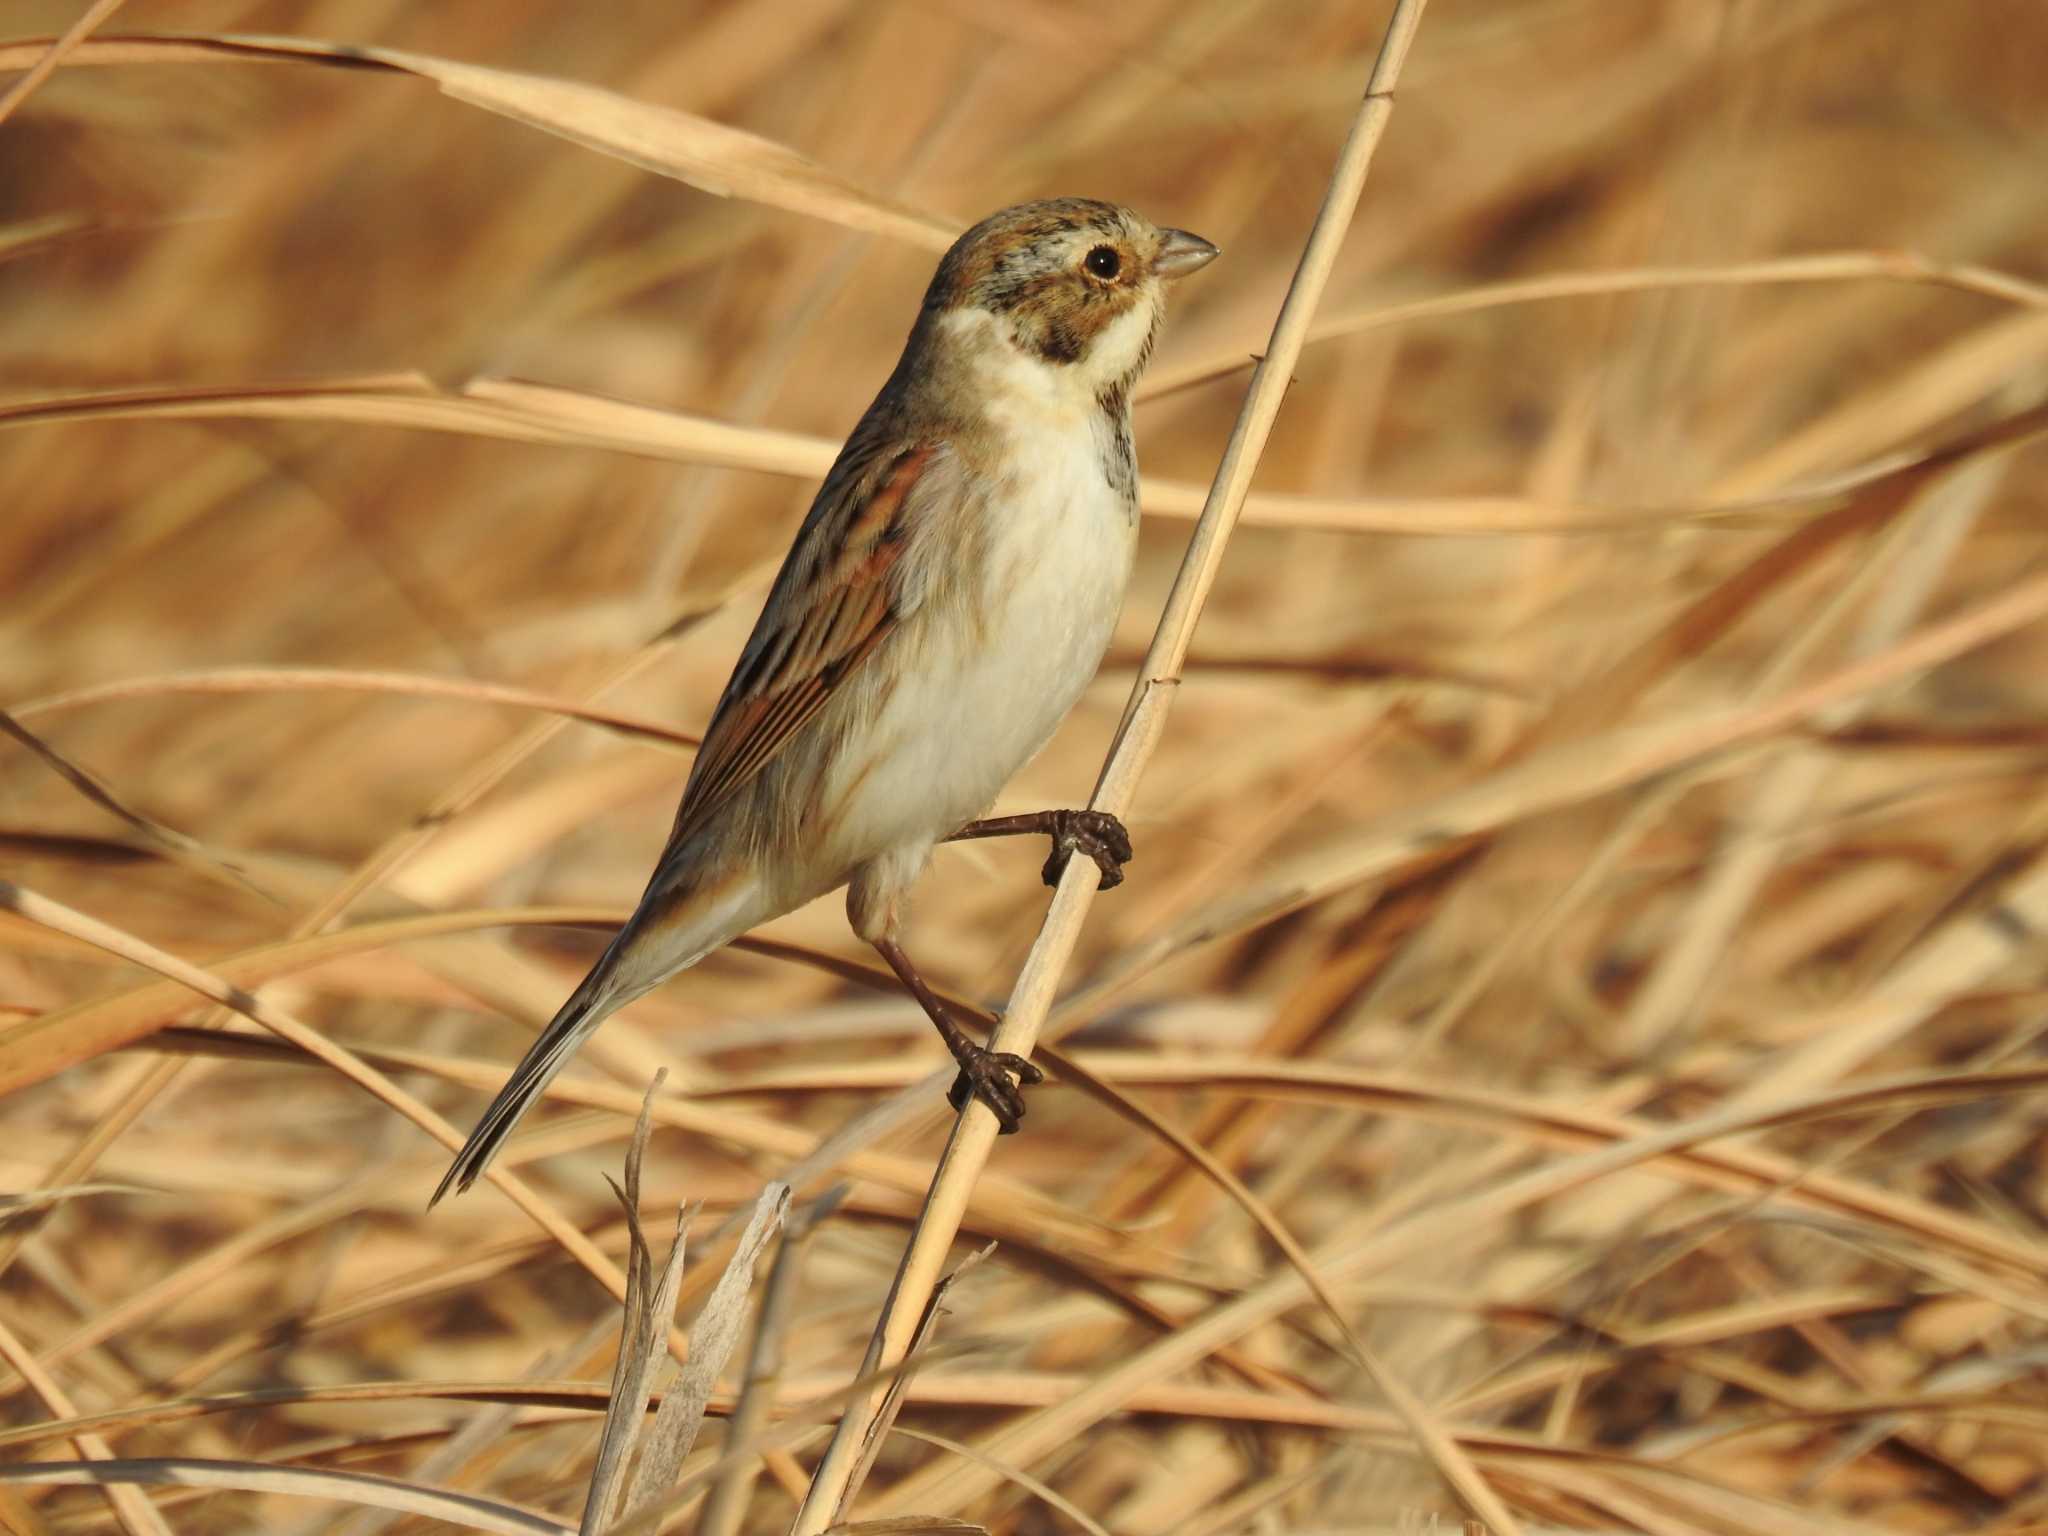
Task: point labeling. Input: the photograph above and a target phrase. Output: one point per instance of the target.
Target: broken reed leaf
(712, 1339)
(732, 1488)
(642, 1324)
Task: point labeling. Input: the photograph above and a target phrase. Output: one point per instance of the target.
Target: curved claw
(1096, 833)
(986, 1075)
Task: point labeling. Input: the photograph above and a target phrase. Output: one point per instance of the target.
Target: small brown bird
(947, 599)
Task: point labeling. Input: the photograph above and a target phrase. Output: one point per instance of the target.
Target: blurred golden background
(1590, 888)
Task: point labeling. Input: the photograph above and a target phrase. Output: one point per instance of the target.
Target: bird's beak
(1181, 253)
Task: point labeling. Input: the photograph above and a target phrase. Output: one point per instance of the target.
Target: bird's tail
(645, 953)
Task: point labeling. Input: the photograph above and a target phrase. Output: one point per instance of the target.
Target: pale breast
(990, 664)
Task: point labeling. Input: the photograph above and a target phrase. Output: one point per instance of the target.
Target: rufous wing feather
(833, 603)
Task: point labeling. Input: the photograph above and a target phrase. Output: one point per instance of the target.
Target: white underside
(978, 702)
(979, 707)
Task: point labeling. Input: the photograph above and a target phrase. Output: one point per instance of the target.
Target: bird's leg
(984, 1074)
(1096, 833)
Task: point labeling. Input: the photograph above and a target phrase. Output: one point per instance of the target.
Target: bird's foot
(1096, 833)
(987, 1075)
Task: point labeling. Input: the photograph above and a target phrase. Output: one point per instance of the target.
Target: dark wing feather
(832, 604)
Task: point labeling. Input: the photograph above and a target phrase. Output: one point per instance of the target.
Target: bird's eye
(1104, 262)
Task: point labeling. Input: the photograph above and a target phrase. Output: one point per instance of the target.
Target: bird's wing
(833, 603)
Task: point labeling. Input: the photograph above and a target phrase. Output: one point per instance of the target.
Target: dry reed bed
(1588, 891)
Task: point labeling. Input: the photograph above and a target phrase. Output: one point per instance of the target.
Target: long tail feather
(680, 921)
(596, 999)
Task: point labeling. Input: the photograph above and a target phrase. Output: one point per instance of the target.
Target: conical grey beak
(1181, 253)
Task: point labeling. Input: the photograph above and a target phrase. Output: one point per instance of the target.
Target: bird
(945, 602)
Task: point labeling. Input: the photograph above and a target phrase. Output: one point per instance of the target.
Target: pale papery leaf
(712, 1339)
(712, 157)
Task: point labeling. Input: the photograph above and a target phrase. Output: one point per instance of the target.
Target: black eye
(1104, 262)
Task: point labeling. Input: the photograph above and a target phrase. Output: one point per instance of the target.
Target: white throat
(1023, 383)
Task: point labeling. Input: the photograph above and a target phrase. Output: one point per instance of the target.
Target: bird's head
(1071, 285)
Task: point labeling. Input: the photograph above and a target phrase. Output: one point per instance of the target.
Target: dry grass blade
(89, 20)
(38, 1047)
(649, 1304)
(714, 158)
(712, 1338)
(46, 913)
(1916, 554)
(14, 1206)
(1442, 1447)
(555, 1401)
(1144, 722)
(136, 1515)
(1037, 1487)
(519, 411)
(1212, 1168)
(1819, 267)
(184, 849)
(1576, 772)
(246, 680)
(909, 1525)
(499, 408)
(464, 1510)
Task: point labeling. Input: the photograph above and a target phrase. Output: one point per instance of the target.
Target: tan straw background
(1589, 892)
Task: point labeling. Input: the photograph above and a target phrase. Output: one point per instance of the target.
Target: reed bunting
(947, 599)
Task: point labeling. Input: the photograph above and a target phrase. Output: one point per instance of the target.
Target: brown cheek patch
(1059, 315)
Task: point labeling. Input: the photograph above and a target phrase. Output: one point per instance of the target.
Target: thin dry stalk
(1144, 721)
(517, 411)
(901, 1377)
